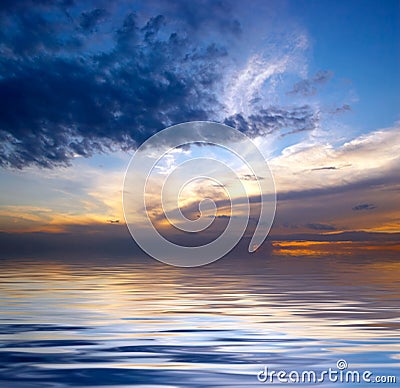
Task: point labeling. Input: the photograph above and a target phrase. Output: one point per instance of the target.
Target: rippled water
(141, 323)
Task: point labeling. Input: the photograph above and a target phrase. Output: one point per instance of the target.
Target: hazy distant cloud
(308, 87)
(313, 226)
(290, 226)
(322, 76)
(364, 206)
(388, 180)
(342, 109)
(95, 241)
(321, 227)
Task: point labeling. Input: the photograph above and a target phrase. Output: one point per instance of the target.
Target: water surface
(95, 323)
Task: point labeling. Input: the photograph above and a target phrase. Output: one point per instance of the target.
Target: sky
(83, 84)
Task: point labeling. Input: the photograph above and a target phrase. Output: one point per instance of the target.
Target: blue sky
(359, 40)
(313, 83)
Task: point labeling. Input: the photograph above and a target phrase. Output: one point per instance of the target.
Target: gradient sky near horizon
(315, 84)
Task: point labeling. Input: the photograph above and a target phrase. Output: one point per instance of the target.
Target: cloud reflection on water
(88, 323)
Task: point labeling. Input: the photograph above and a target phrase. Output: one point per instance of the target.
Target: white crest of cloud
(246, 84)
(261, 75)
(309, 165)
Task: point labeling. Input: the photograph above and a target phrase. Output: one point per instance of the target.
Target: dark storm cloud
(88, 20)
(12, 5)
(206, 15)
(57, 103)
(364, 206)
(308, 87)
(79, 79)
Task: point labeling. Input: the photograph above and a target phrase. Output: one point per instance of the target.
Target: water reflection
(138, 322)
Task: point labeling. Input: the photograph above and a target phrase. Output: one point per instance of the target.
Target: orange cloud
(327, 248)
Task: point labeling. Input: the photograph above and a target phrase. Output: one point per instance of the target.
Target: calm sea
(122, 323)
